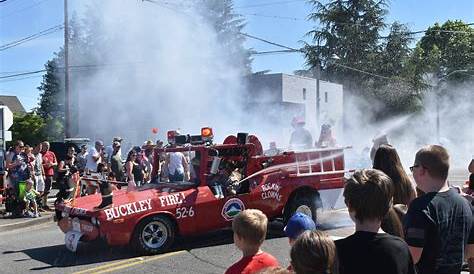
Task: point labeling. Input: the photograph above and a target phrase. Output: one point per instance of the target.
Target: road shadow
(222, 237)
(57, 256)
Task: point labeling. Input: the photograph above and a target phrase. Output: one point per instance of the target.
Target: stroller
(14, 202)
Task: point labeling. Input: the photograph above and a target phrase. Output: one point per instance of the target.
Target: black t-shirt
(440, 223)
(369, 252)
(117, 166)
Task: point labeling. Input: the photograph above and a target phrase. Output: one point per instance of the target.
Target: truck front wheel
(154, 235)
(307, 204)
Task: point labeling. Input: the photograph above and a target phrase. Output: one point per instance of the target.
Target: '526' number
(183, 212)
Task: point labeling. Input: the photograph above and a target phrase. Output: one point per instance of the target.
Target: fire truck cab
(227, 178)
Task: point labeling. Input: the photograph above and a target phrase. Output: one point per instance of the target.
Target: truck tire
(307, 204)
(154, 235)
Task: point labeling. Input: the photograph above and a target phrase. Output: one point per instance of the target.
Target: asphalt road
(41, 249)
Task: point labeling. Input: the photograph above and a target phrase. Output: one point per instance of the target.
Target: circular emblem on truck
(231, 208)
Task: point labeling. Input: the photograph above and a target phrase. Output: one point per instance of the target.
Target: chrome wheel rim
(305, 210)
(154, 234)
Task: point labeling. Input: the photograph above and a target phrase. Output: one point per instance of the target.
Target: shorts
(176, 177)
(31, 203)
(47, 183)
(39, 183)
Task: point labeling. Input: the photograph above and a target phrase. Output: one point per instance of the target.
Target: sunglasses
(413, 167)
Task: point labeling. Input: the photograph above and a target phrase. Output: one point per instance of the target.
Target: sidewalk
(7, 223)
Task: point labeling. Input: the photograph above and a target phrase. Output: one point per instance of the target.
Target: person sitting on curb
(31, 207)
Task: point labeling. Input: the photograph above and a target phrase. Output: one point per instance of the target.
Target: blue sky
(21, 18)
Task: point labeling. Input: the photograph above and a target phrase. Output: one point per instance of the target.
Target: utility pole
(67, 95)
(438, 88)
(318, 95)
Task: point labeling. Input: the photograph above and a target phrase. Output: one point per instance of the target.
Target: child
(313, 252)
(30, 199)
(368, 195)
(297, 224)
(250, 229)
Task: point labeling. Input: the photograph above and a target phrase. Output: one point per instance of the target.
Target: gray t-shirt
(38, 164)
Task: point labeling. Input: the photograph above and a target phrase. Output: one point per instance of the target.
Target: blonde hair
(251, 225)
(313, 252)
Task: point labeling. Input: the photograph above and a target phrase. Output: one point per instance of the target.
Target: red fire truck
(150, 217)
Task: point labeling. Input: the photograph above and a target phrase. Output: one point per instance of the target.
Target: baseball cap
(148, 143)
(297, 224)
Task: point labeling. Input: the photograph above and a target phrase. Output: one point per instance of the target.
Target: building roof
(12, 103)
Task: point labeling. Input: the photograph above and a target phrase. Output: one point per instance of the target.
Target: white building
(284, 96)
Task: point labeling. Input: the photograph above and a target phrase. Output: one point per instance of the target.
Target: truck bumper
(75, 230)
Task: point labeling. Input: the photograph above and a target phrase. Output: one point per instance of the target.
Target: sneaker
(36, 215)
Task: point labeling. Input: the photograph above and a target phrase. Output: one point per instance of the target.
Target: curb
(27, 223)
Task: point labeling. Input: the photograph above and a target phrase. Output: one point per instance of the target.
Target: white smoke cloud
(408, 133)
(167, 70)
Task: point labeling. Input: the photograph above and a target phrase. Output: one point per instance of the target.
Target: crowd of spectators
(31, 170)
(398, 229)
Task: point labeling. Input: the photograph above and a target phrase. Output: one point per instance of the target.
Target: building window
(304, 94)
(325, 97)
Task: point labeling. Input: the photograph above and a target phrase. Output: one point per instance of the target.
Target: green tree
(52, 90)
(395, 51)
(444, 49)
(369, 65)
(29, 128)
(51, 105)
(350, 30)
(228, 26)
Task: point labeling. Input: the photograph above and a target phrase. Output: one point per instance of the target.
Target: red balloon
(154, 130)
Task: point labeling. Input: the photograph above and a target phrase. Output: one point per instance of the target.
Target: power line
(269, 42)
(12, 72)
(268, 4)
(274, 16)
(270, 52)
(31, 37)
(22, 74)
(19, 79)
(242, 33)
(23, 9)
(363, 71)
(357, 24)
(74, 67)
